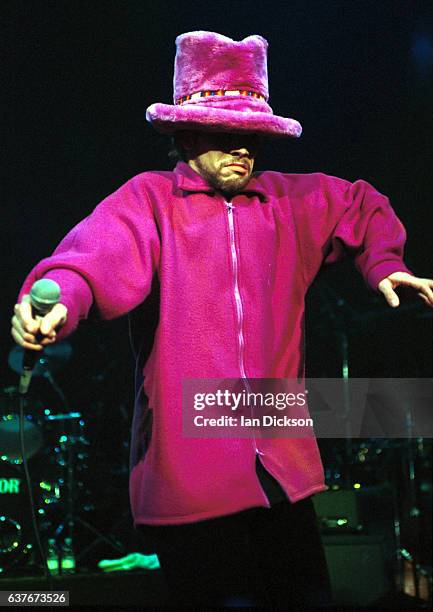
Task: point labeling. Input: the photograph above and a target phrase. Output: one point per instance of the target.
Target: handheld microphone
(44, 294)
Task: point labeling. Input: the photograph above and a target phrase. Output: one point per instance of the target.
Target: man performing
(235, 252)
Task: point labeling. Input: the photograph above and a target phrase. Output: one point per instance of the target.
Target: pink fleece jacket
(173, 224)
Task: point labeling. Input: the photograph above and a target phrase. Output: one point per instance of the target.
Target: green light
(52, 564)
(45, 485)
(63, 438)
(47, 411)
(357, 485)
(341, 521)
(68, 564)
(4, 457)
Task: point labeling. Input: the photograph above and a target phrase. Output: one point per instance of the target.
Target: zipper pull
(230, 206)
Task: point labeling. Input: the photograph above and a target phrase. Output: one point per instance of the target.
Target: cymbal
(52, 358)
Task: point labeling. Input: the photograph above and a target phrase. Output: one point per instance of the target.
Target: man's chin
(229, 185)
(232, 185)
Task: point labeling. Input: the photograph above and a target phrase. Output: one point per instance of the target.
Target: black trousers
(261, 556)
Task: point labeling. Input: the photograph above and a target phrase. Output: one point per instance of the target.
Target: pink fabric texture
(207, 117)
(207, 61)
(174, 225)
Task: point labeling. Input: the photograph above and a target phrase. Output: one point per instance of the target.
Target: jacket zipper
(238, 301)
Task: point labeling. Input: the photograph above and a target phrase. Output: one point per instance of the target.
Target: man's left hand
(423, 287)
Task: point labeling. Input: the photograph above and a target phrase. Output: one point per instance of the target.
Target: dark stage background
(76, 82)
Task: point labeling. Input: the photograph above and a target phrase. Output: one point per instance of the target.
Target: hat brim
(168, 119)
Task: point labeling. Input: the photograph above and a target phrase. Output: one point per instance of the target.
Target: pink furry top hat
(220, 85)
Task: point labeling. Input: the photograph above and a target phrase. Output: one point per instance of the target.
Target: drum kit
(55, 448)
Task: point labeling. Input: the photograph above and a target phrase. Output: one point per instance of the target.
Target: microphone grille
(44, 294)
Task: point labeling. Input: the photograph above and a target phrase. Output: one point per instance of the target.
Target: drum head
(14, 514)
(10, 447)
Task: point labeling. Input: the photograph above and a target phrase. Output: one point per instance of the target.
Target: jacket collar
(187, 179)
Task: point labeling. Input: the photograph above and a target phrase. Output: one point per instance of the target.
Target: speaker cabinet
(360, 568)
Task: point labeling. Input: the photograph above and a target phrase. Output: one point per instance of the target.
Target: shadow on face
(198, 143)
(225, 160)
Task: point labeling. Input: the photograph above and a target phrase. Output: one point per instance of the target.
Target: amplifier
(360, 568)
(353, 509)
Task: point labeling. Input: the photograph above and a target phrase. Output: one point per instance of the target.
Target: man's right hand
(35, 333)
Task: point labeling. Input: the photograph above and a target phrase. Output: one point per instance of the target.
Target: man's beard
(227, 185)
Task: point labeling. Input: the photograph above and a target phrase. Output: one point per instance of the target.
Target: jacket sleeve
(353, 219)
(107, 260)
(369, 230)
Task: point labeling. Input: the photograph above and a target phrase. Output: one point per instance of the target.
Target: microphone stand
(338, 311)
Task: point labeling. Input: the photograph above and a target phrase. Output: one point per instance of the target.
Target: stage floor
(143, 588)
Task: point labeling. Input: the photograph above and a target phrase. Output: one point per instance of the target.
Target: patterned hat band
(220, 92)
